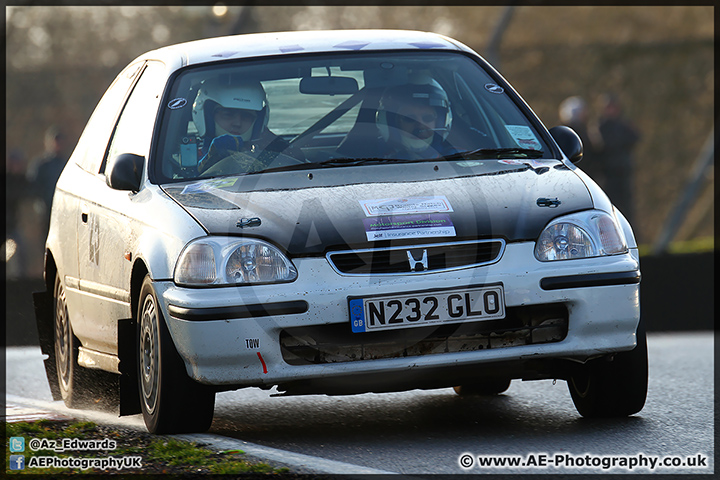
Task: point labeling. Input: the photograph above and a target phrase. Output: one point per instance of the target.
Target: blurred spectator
(16, 197)
(44, 171)
(16, 187)
(574, 113)
(25, 235)
(618, 139)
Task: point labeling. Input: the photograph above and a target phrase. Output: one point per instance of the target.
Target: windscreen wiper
(496, 153)
(332, 162)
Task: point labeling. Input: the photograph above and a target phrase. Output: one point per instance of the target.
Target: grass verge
(698, 245)
(141, 452)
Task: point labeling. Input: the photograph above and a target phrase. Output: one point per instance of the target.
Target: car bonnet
(312, 212)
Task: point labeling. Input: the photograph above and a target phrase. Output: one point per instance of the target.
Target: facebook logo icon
(17, 462)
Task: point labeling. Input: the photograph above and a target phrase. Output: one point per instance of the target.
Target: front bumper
(230, 336)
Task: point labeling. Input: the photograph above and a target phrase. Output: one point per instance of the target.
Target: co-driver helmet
(428, 93)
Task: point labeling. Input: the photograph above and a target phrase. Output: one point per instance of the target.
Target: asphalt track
(434, 431)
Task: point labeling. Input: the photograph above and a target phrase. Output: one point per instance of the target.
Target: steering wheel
(243, 163)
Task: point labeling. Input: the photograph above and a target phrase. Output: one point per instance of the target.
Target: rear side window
(93, 142)
(134, 129)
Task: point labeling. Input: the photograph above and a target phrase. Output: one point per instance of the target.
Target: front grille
(417, 258)
(336, 343)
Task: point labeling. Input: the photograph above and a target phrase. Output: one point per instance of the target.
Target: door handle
(84, 213)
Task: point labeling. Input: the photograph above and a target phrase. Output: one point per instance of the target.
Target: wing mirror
(124, 172)
(569, 142)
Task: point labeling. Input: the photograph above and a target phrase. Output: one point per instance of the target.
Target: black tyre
(487, 387)
(171, 402)
(72, 378)
(616, 388)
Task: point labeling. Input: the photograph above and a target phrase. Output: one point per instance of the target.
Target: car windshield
(335, 110)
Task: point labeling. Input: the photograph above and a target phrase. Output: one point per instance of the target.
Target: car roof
(288, 43)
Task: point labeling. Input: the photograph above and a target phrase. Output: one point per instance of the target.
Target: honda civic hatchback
(331, 212)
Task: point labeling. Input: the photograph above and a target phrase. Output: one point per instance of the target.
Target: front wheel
(171, 402)
(616, 388)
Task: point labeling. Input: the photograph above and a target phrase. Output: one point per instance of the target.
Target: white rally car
(331, 213)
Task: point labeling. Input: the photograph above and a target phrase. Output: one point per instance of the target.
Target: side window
(134, 129)
(94, 140)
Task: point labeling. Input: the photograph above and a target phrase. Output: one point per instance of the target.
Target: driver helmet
(214, 93)
(425, 91)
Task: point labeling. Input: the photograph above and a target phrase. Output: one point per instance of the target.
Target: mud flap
(127, 352)
(43, 303)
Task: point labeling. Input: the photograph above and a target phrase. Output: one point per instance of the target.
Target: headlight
(232, 261)
(580, 235)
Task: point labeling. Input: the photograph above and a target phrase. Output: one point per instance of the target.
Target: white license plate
(426, 308)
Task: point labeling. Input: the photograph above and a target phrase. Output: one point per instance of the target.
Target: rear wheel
(492, 386)
(615, 388)
(71, 377)
(171, 402)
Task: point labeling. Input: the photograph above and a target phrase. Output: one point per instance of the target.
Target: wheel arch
(139, 271)
(49, 269)
(127, 344)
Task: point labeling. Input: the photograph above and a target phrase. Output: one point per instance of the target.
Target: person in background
(44, 171)
(16, 189)
(618, 138)
(574, 113)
